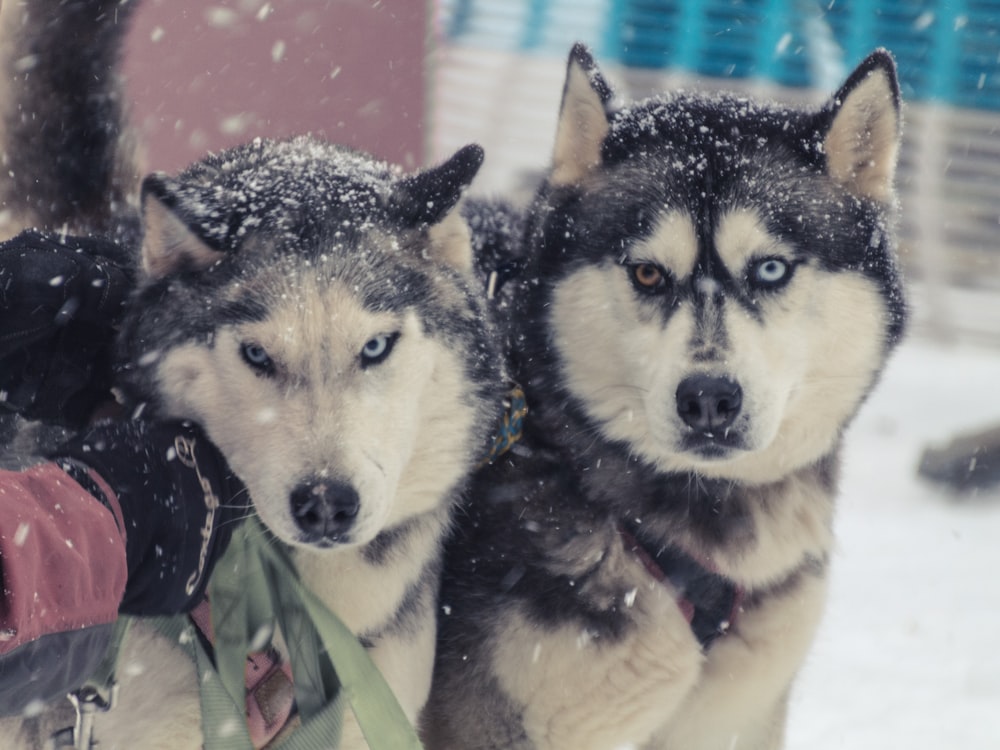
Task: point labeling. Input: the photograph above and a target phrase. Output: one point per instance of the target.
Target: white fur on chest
(367, 595)
(790, 526)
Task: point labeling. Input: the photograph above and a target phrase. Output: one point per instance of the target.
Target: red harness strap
(270, 693)
(709, 601)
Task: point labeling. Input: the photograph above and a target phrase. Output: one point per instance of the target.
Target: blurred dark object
(60, 299)
(971, 461)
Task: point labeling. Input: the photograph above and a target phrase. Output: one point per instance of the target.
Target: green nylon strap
(103, 677)
(255, 585)
(222, 724)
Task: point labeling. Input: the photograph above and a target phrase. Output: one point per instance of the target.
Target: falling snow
(33, 709)
(266, 416)
(265, 10)
(906, 650)
(221, 18)
(228, 728)
(21, 535)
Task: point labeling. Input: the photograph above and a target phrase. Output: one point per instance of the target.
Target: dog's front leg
(581, 692)
(764, 652)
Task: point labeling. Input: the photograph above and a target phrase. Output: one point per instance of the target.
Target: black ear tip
(463, 165)
(425, 197)
(881, 58)
(581, 57)
(880, 62)
(471, 156)
(157, 185)
(580, 54)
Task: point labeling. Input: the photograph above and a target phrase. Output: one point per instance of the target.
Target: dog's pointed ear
(169, 245)
(427, 201)
(863, 138)
(583, 119)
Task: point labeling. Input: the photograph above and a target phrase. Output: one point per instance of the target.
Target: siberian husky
(317, 311)
(709, 294)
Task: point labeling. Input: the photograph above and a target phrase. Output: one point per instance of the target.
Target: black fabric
(49, 667)
(179, 501)
(713, 598)
(60, 300)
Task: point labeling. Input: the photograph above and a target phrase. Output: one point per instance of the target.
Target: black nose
(324, 508)
(707, 403)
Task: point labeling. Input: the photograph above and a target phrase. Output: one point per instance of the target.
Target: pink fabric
(270, 696)
(62, 556)
(268, 714)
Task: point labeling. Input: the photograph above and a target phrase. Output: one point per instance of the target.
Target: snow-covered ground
(908, 653)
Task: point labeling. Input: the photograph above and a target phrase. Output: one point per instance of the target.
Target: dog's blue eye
(257, 357)
(376, 349)
(770, 272)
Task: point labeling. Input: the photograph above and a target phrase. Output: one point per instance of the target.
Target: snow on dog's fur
(318, 315)
(709, 293)
(317, 312)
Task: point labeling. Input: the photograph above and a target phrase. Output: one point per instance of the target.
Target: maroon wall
(206, 75)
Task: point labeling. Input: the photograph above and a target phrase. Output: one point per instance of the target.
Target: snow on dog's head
(315, 310)
(717, 274)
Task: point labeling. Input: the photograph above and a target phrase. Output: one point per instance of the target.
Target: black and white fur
(710, 292)
(318, 312)
(319, 315)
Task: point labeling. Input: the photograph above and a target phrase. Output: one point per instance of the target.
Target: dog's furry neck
(729, 523)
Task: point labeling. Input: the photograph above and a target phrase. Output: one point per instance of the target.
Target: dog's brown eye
(648, 277)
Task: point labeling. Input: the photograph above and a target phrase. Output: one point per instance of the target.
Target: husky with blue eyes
(318, 313)
(709, 292)
(316, 310)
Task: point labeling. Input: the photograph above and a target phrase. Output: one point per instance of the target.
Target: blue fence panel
(947, 50)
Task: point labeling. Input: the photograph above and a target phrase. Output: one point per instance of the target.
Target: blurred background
(411, 81)
(907, 654)
(203, 76)
(500, 69)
